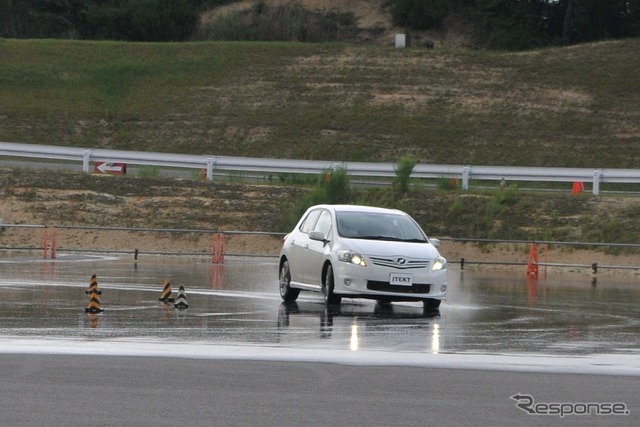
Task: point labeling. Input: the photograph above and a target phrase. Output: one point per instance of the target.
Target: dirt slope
(370, 14)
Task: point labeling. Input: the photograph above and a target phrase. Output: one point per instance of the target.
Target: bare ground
(372, 15)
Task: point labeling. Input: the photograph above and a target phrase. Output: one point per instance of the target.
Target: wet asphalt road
(487, 311)
(548, 323)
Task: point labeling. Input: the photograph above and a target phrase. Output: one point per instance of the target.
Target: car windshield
(378, 226)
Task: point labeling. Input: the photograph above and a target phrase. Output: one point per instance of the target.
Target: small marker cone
(166, 295)
(94, 303)
(93, 286)
(181, 300)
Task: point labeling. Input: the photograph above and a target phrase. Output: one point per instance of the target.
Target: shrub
(404, 169)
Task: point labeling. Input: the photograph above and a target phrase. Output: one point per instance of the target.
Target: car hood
(390, 248)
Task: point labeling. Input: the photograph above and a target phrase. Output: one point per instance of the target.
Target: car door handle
(306, 246)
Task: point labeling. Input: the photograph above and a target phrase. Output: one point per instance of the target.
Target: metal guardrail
(248, 164)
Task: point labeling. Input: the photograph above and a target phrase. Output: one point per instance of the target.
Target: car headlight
(352, 258)
(439, 264)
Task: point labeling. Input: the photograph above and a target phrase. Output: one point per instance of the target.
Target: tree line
(500, 24)
(132, 20)
(522, 24)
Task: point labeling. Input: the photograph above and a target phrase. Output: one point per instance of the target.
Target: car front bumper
(373, 282)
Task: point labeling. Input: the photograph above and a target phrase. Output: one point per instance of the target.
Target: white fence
(248, 164)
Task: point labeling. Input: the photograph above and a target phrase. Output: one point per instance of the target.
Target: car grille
(400, 263)
(416, 288)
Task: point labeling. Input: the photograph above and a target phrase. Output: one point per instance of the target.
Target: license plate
(400, 279)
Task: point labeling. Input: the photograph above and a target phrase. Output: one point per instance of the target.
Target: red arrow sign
(111, 168)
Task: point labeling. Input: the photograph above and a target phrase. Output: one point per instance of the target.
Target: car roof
(359, 208)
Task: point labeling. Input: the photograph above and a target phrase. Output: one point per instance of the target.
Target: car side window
(310, 222)
(324, 223)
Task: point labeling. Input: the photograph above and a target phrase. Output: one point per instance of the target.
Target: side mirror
(317, 235)
(435, 242)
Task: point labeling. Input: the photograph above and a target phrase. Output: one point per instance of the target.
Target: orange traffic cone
(578, 187)
(181, 300)
(532, 265)
(167, 296)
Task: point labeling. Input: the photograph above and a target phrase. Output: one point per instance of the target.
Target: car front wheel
(327, 289)
(287, 293)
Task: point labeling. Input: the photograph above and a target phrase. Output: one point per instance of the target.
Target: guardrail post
(597, 176)
(86, 159)
(466, 174)
(210, 164)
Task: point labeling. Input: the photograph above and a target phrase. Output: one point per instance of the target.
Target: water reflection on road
(487, 311)
(562, 313)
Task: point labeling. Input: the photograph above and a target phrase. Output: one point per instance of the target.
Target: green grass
(567, 107)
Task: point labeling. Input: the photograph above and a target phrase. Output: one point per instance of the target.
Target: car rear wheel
(327, 289)
(287, 293)
(431, 303)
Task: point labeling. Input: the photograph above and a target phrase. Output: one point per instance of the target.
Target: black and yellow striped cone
(181, 300)
(93, 286)
(94, 302)
(167, 296)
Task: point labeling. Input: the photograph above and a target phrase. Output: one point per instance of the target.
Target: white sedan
(362, 252)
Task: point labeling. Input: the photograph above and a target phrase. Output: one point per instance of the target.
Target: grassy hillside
(568, 107)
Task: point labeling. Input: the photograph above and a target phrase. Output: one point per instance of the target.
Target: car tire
(287, 293)
(327, 289)
(430, 303)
